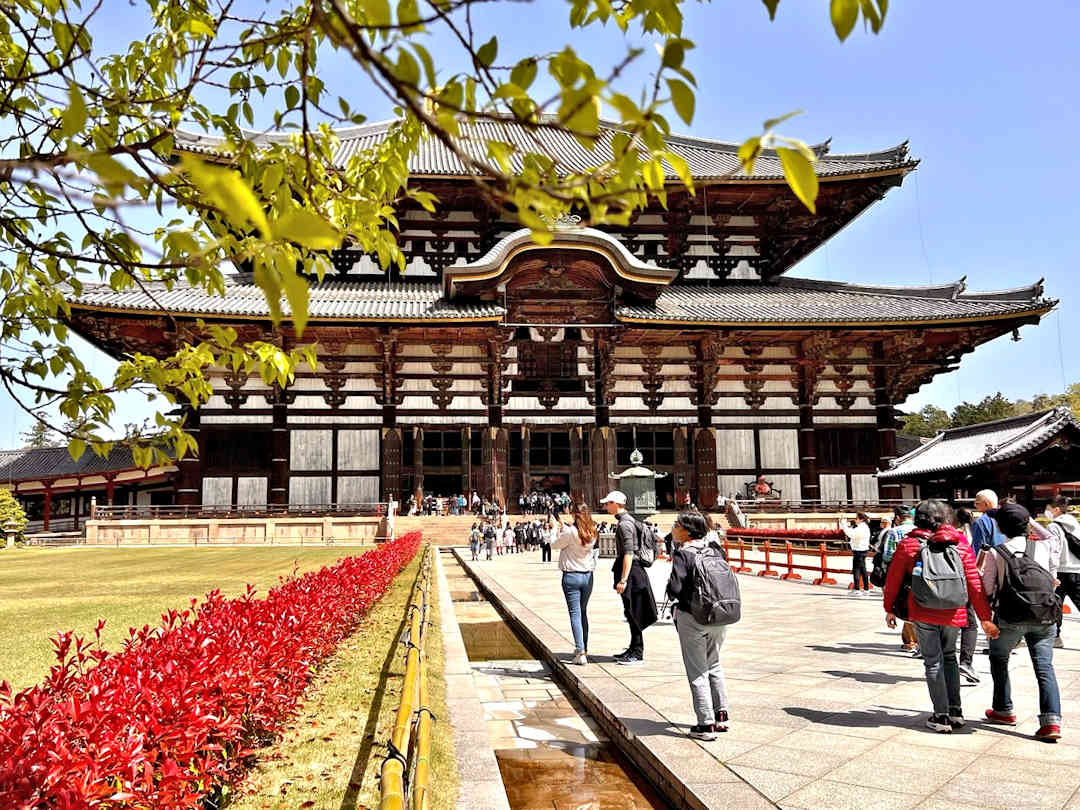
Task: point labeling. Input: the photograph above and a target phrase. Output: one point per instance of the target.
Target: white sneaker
(581, 659)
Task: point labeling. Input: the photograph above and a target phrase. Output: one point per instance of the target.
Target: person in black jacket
(631, 580)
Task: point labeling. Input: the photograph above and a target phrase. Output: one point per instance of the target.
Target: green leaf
(524, 73)
(488, 51)
(772, 123)
(304, 227)
(76, 447)
(292, 96)
(197, 26)
(683, 99)
(771, 6)
(844, 13)
(749, 152)
(870, 13)
(800, 176)
(74, 117)
(227, 191)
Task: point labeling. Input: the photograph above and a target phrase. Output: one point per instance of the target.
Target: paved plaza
(826, 710)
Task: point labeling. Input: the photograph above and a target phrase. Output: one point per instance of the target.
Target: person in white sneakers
(858, 536)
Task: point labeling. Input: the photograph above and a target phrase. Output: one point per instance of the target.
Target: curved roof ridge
(1033, 418)
(945, 291)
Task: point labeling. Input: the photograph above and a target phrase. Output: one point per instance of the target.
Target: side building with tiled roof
(493, 364)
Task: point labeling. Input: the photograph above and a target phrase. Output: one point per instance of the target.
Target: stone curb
(481, 786)
(678, 767)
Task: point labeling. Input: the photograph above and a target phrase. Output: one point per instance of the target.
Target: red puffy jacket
(903, 563)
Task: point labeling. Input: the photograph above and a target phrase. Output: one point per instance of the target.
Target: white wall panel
(833, 487)
(358, 449)
(780, 449)
(790, 486)
(311, 450)
(309, 491)
(358, 489)
(735, 450)
(251, 491)
(864, 487)
(217, 491)
(731, 486)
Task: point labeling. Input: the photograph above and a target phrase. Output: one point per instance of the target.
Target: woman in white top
(859, 537)
(576, 544)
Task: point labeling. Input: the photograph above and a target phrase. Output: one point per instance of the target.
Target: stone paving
(826, 710)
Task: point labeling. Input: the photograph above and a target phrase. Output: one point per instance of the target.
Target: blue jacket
(985, 534)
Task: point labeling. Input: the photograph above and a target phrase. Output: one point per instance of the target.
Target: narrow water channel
(551, 753)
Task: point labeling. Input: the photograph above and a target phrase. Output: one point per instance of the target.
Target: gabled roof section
(789, 300)
(708, 159)
(987, 443)
(622, 261)
(48, 463)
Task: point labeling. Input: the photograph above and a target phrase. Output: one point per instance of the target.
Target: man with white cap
(631, 580)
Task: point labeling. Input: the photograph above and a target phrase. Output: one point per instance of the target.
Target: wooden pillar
(390, 471)
(705, 467)
(280, 447)
(496, 450)
(602, 446)
(811, 480)
(466, 463)
(886, 424)
(681, 467)
(418, 465)
(190, 474)
(495, 383)
(47, 509)
(526, 435)
(578, 490)
(603, 365)
(76, 496)
(110, 489)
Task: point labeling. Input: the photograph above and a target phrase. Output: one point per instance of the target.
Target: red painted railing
(735, 550)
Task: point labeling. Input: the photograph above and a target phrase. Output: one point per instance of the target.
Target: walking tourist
(697, 557)
(858, 535)
(1019, 581)
(631, 580)
(475, 538)
(903, 520)
(937, 560)
(1066, 528)
(547, 530)
(985, 533)
(489, 538)
(576, 544)
(509, 541)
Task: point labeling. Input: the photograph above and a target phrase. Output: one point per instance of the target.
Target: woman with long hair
(576, 544)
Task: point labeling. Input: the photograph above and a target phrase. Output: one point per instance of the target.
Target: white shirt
(573, 556)
(859, 537)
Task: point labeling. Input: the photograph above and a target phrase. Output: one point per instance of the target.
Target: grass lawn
(330, 757)
(43, 591)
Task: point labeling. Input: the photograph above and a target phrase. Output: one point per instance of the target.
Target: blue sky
(985, 93)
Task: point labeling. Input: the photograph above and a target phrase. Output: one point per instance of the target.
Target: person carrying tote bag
(576, 544)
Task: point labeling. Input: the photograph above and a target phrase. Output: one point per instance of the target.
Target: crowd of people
(539, 502)
(454, 505)
(944, 573)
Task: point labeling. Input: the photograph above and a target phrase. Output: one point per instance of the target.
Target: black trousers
(1070, 587)
(858, 570)
(545, 552)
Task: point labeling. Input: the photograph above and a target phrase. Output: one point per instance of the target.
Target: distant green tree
(991, 408)
(11, 513)
(39, 436)
(926, 423)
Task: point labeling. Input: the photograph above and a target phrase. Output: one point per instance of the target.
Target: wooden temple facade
(496, 365)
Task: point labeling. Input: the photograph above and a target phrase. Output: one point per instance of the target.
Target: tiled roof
(977, 445)
(785, 300)
(797, 300)
(708, 159)
(330, 300)
(56, 462)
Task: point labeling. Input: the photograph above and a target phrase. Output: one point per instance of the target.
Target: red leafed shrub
(176, 714)
(787, 534)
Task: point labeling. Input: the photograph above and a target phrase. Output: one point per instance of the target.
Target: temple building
(494, 364)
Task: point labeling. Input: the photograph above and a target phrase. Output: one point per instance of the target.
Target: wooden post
(466, 464)
(526, 437)
(47, 509)
(418, 466)
(681, 467)
(705, 464)
(190, 473)
(886, 424)
(808, 471)
(390, 470)
(280, 448)
(110, 488)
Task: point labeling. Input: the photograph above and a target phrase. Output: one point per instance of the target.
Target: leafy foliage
(931, 420)
(11, 514)
(90, 139)
(176, 715)
(39, 436)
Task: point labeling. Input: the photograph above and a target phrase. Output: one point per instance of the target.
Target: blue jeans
(1040, 642)
(938, 646)
(577, 588)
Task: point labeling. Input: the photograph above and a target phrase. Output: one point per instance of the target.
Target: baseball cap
(614, 497)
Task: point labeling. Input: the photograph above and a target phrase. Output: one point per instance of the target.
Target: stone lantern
(11, 530)
(638, 483)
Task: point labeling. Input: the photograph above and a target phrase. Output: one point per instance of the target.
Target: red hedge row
(175, 714)
(788, 534)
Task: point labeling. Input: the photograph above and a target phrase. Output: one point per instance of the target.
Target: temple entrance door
(442, 484)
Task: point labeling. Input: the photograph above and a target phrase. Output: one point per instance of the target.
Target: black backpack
(1028, 593)
(1071, 540)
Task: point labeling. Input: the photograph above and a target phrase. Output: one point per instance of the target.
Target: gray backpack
(715, 599)
(938, 580)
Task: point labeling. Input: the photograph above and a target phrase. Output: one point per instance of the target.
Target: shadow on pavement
(872, 677)
(856, 719)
